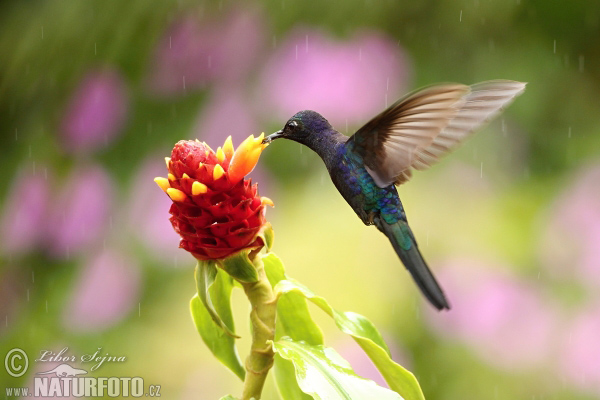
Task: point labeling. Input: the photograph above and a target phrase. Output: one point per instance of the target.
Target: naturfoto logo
(66, 381)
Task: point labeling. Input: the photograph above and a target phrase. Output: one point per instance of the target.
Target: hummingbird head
(304, 127)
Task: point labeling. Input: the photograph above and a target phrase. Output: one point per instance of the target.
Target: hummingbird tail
(405, 245)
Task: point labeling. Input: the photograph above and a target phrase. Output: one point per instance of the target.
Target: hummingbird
(411, 134)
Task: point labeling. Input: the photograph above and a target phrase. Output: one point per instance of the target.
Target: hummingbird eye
(293, 125)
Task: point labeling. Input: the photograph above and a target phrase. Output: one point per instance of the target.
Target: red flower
(215, 210)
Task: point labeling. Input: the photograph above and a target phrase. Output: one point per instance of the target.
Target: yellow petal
(218, 172)
(245, 158)
(163, 183)
(176, 194)
(265, 201)
(185, 176)
(171, 177)
(198, 188)
(228, 148)
(220, 155)
(167, 161)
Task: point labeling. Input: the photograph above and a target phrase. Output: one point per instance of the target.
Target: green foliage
(293, 321)
(240, 267)
(211, 313)
(324, 374)
(369, 339)
(303, 368)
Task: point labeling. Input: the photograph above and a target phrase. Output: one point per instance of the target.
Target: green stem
(262, 317)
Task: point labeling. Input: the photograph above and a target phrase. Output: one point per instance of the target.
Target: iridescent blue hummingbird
(413, 133)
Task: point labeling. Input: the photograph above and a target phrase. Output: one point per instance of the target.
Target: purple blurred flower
(579, 361)
(107, 290)
(149, 214)
(504, 319)
(348, 82)
(81, 212)
(24, 212)
(193, 53)
(96, 112)
(570, 241)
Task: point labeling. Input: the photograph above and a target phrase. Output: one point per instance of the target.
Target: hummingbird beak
(272, 137)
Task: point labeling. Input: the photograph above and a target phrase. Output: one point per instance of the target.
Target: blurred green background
(93, 95)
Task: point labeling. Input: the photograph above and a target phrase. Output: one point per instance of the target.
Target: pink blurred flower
(96, 111)
(23, 219)
(193, 53)
(107, 290)
(579, 361)
(81, 212)
(149, 215)
(571, 236)
(505, 320)
(348, 81)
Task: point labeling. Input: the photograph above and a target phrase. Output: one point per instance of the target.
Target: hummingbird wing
(417, 130)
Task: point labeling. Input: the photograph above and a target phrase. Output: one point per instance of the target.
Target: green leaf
(285, 377)
(322, 373)
(366, 335)
(205, 274)
(219, 342)
(293, 317)
(293, 320)
(268, 235)
(228, 397)
(240, 267)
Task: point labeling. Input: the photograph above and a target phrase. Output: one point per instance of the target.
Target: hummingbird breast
(359, 189)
